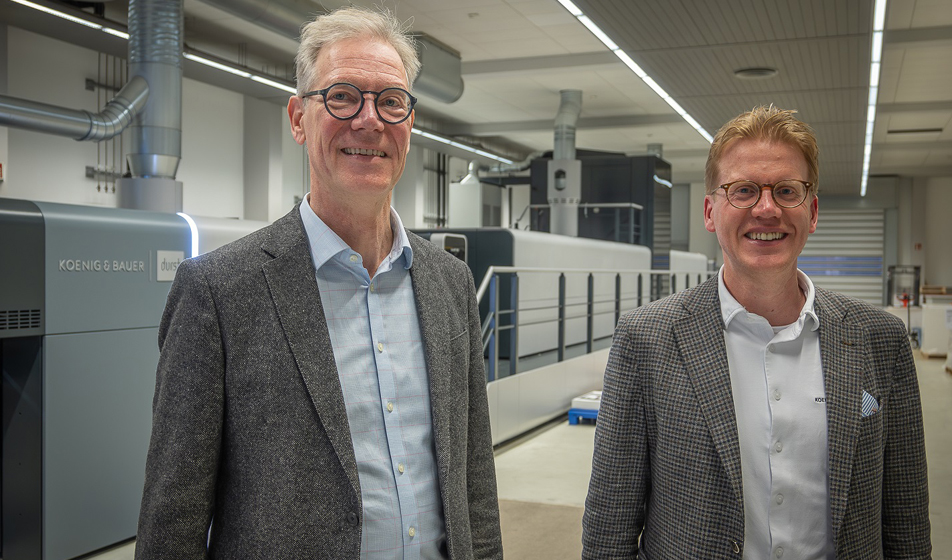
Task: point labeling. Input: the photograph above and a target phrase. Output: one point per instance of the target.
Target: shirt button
(353, 258)
(411, 531)
(779, 447)
(776, 395)
(372, 287)
(380, 346)
(389, 407)
(779, 552)
(770, 347)
(779, 499)
(401, 468)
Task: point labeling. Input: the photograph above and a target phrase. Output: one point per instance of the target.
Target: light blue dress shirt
(375, 333)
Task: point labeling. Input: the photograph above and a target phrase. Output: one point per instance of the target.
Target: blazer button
(352, 518)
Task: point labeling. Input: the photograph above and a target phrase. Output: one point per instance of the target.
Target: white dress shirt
(780, 403)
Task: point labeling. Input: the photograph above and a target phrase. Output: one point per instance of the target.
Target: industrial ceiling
(517, 55)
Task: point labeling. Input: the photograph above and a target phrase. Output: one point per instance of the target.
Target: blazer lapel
(291, 280)
(698, 333)
(844, 364)
(430, 292)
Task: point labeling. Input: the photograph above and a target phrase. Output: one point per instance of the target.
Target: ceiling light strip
(217, 65)
(276, 85)
(875, 67)
(631, 64)
(271, 82)
(59, 14)
(461, 146)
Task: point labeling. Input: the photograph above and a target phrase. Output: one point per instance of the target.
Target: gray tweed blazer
(250, 434)
(666, 475)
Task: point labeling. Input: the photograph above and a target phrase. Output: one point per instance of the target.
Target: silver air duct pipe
(565, 121)
(155, 54)
(475, 167)
(284, 17)
(510, 167)
(150, 105)
(440, 76)
(77, 124)
(564, 171)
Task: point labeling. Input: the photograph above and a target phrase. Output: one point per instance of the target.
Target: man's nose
(367, 117)
(766, 205)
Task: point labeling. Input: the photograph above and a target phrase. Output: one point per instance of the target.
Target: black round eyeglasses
(345, 101)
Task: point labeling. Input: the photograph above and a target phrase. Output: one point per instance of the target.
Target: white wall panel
(212, 167)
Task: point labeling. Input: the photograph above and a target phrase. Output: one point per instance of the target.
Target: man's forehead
(761, 154)
(362, 58)
(762, 146)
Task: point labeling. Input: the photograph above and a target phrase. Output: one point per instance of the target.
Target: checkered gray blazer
(666, 475)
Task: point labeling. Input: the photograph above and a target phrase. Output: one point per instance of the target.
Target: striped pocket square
(870, 405)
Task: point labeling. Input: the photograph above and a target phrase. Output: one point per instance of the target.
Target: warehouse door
(846, 253)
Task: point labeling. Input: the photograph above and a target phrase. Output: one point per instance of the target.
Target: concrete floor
(543, 480)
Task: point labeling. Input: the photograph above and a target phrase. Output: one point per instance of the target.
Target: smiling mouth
(772, 236)
(363, 152)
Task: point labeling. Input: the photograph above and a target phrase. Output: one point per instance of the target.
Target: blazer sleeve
(187, 408)
(905, 521)
(615, 507)
(481, 470)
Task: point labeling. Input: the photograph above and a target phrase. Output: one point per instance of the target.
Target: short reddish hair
(770, 124)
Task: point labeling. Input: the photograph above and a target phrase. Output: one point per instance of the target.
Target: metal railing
(499, 320)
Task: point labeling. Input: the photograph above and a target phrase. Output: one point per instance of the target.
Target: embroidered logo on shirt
(820, 400)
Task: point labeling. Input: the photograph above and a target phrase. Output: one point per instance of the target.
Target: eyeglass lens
(745, 194)
(344, 101)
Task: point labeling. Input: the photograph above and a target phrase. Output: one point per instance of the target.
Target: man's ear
(708, 209)
(295, 115)
(814, 209)
(412, 118)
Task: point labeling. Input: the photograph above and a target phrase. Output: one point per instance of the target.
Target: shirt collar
(731, 308)
(325, 244)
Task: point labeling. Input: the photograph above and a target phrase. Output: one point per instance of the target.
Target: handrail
(484, 284)
(491, 326)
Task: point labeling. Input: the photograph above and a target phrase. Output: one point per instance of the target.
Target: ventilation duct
(150, 105)
(284, 17)
(564, 189)
(155, 53)
(77, 124)
(441, 72)
(565, 121)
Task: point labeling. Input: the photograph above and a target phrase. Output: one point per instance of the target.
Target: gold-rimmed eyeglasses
(788, 193)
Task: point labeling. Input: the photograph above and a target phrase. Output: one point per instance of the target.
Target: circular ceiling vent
(757, 73)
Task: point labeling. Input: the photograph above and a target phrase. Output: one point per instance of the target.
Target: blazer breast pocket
(868, 454)
(458, 354)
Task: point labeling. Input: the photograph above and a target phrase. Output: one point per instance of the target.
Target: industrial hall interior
(557, 148)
